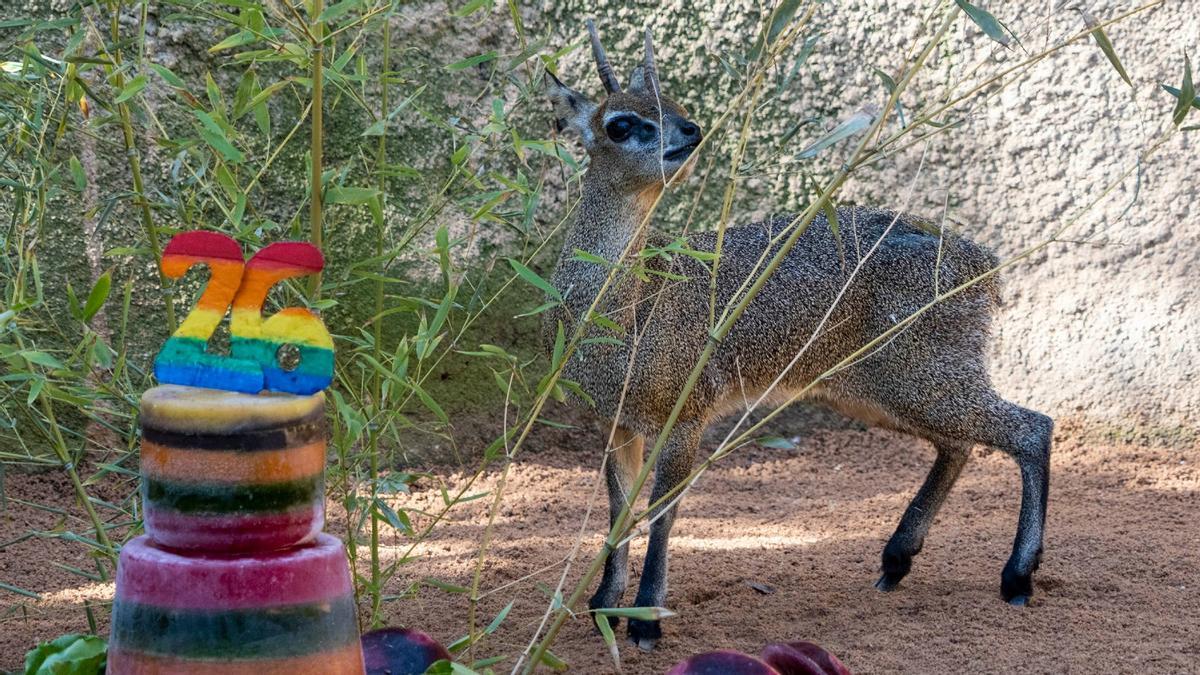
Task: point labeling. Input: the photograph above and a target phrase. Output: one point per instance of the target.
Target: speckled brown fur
(930, 380)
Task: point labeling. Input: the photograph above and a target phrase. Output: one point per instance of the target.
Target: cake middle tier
(224, 471)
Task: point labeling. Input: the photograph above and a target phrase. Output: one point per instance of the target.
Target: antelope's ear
(637, 78)
(572, 110)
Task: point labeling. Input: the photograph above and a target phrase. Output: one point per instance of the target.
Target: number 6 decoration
(253, 363)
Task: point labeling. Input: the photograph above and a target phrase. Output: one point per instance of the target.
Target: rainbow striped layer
(185, 359)
(281, 612)
(225, 471)
(258, 340)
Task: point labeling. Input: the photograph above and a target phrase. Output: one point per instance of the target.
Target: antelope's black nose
(689, 129)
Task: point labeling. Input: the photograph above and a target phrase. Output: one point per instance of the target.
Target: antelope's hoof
(888, 582)
(598, 602)
(1016, 588)
(644, 634)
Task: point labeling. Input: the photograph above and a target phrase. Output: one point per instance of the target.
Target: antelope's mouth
(679, 154)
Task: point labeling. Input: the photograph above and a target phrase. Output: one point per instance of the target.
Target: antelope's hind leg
(980, 416)
(620, 469)
(909, 536)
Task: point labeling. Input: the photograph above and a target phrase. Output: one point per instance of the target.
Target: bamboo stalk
(316, 212)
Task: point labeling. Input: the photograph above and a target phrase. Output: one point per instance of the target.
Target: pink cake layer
(234, 533)
(151, 575)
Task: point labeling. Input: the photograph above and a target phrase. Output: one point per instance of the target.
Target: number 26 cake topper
(253, 362)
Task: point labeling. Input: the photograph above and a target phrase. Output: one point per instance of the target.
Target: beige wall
(1106, 332)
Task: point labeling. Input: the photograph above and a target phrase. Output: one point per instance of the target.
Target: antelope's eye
(619, 129)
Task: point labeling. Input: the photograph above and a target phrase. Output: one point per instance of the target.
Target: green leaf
(553, 662)
(68, 655)
(443, 586)
(397, 519)
(533, 278)
(334, 11)
(350, 195)
(776, 442)
(499, 619)
(34, 390)
(41, 359)
(472, 7)
(857, 122)
(77, 174)
(610, 640)
(781, 16)
(131, 89)
(985, 21)
(167, 76)
(784, 12)
(262, 96)
(472, 61)
(1174, 91)
(640, 613)
(97, 296)
(584, 256)
(214, 135)
(560, 343)
(238, 39)
(605, 322)
(1106, 45)
(429, 403)
(1187, 93)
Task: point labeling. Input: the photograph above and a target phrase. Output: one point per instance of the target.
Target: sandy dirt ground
(1119, 588)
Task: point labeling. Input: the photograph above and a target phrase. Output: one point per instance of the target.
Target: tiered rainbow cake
(233, 575)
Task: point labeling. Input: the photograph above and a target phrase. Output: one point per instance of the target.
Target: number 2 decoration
(253, 362)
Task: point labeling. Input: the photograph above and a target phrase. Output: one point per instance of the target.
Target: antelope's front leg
(621, 468)
(674, 465)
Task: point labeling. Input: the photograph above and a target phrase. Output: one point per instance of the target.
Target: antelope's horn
(648, 64)
(607, 76)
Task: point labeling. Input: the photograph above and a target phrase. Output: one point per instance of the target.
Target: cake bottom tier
(289, 611)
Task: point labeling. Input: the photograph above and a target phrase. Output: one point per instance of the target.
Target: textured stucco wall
(1104, 332)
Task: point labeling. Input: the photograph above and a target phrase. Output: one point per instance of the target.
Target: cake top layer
(193, 410)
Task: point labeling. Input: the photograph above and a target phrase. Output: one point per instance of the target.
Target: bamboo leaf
(238, 39)
(269, 91)
(533, 278)
(41, 359)
(77, 174)
(334, 11)
(857, 122)
(472, 7)
(472, 61)
(776, 442)
(499, 618)
(984, 19)
(214, 135)
(640, 613)
(1187, 93)
(350, 195)
(610, 640)
(131, 89)
(1174, 91)
(553, 662)
(97, 296)
(167, 76)
(1106, 45)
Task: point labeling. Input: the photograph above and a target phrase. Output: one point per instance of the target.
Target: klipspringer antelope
(930, 380)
